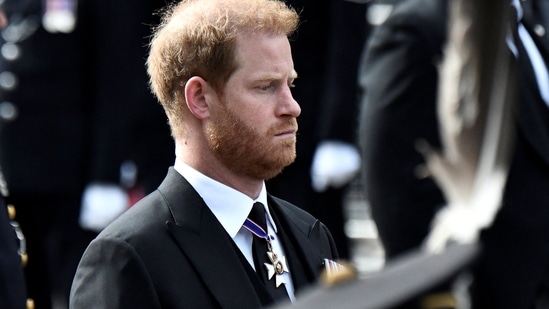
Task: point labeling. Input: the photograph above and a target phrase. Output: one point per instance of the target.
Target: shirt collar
(231, 207)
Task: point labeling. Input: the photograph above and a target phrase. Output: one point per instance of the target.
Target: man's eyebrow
(271, 77)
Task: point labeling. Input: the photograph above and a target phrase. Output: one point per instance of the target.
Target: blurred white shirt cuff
(335, 164)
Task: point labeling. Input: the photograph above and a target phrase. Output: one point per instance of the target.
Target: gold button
(24, 259)
(11, 211)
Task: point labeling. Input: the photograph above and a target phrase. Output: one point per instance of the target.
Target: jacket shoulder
(146, 216)
(295, 211)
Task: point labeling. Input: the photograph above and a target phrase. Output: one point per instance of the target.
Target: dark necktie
(261, 249)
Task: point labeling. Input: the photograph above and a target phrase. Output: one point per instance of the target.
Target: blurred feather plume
(477, 92)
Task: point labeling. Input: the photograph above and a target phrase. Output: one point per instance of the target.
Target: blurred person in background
(326, 50)
(75, 107)
(399, 78)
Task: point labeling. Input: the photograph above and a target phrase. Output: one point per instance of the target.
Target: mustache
(288, 125)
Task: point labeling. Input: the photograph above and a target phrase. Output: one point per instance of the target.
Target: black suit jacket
(169, 251)
(400, 77)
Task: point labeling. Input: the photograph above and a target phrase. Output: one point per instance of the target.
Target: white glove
(59, 18)
(335, 164)
(101, 204)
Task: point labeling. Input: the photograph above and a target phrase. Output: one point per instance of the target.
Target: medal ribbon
(257, 230)
(277, 267)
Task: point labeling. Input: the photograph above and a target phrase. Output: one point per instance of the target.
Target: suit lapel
(206, 244)
(300, 271)
(302, 244)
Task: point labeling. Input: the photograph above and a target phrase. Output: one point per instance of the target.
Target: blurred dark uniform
(12, 245)
(74, 107)
(13, 294)
(43, 144)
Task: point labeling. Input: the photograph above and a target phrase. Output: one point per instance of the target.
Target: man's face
(253, 127)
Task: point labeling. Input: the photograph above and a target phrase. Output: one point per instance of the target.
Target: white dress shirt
(231, 208)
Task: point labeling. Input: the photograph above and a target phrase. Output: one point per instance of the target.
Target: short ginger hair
(198, 38)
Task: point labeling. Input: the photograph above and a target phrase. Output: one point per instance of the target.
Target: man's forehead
(264, 59)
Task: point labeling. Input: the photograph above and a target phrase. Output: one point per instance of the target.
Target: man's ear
(197, 94)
